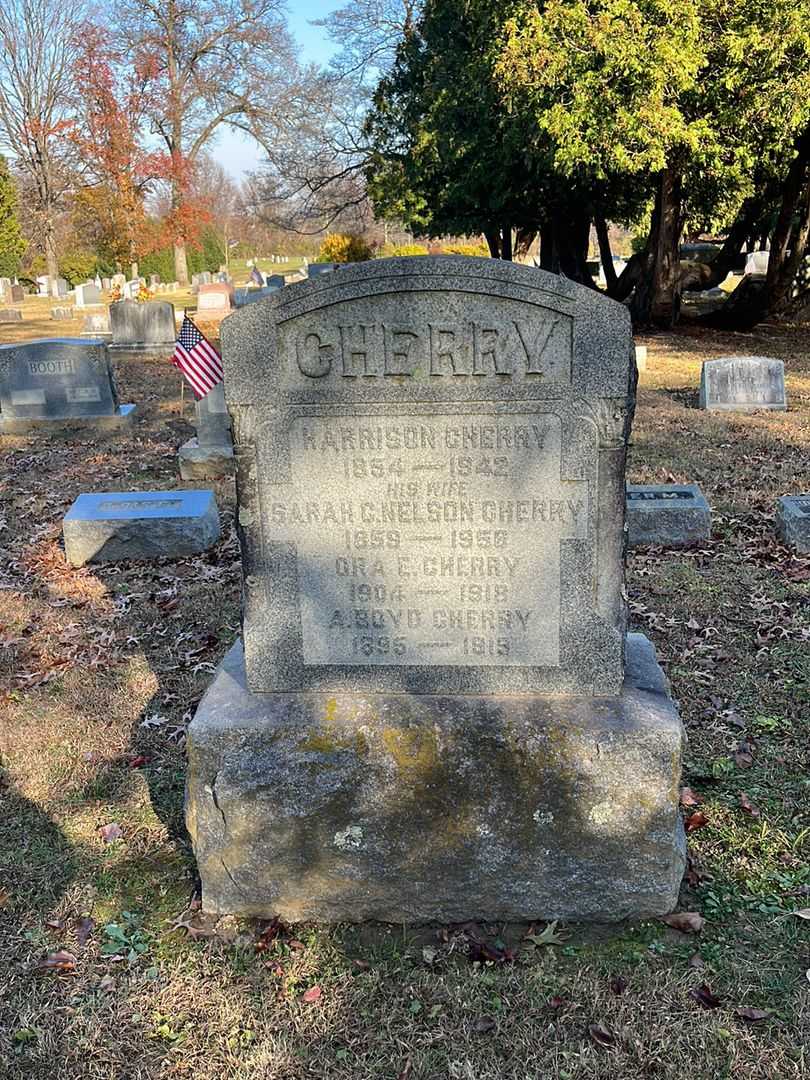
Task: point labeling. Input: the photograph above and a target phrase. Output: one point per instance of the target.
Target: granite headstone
(10, 315)
(438, 713)
(112, 525)
(793, 522)
(55, 382)
(210, 453)
(669, 515)
(142, 326)
(87, 295)
(743, 384)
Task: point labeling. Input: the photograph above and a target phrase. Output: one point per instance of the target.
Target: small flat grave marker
(669, 515)
(793, 522)
(111, 526)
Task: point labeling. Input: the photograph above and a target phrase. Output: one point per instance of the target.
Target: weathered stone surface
(57, 380)
(10, 315)
(431, 480)
(641, 357)
(110, 526)
(412, 808)
(60, 314)
(143, 326)
(670, 515)
(743, 384)
(210, 454)
(793, 522)
(204, 462)
(96, 324)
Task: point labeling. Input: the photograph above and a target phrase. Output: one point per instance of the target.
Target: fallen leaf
(558, 1002)
(405, 1072)
(748, 806)
(547, 936)
(483, 1024)
(111, 832)
(689, 797)
(55, 924)
(361, 965)
(429, 954)
(296, 945)
(107, 984)
(752, 1016)
(688, 922)
(139, 761)
(5, 897)
(618, 985)
(84, 928)
(312, 995)
(705, 998)
(602, 1037)
(269, 934)
(802, 913)
(696, 961)
(483, 953)
(695, 821)
(58, 961)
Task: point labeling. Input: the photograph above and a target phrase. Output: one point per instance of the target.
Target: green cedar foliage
(12, 244)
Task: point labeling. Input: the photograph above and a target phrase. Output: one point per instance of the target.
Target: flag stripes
(197, 358)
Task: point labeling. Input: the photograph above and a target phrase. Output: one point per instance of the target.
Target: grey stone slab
(87, 294)
(205, 462)
(216, 297)
(97, 324)
(669, 515)
(10, 315)
(242, 297)
(274, 281)
(116, 423)
(212, 420)
(641, 357)
(110, 526)
(149, 324)
(56, 379)
(743, 384)
(316, 269)
(793, 522)
(431, 458)
(412, 809)
(60, 314)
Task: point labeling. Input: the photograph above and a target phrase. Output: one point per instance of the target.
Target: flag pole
(183, 382)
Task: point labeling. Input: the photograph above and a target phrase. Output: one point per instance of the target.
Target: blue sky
(239, 154)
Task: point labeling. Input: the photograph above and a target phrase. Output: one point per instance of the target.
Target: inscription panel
(658, 496)
(82, 393)
(429, 540)
(57, 366)
(128, 506)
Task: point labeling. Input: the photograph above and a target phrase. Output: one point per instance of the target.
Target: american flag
(197, 359)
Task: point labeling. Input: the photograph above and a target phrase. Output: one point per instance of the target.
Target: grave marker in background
(743, 384)
(210, 453)
(793, 522)
(59, 382)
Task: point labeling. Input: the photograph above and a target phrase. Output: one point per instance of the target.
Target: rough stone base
(204, 462)
(793, 522)
(121, 420)
(669, 515)
(409, 809)
(141, 352)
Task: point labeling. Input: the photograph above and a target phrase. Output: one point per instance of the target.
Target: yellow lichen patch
(411, 748)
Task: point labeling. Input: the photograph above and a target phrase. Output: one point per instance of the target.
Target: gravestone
(59, 287)
(315, 270)
(793, 522)
(106, 284)
(743, 384)
(132, 288)
(438, 713)
(757, 263)
(43, 285)
(59, 382)
(87, 295)
(118, 281)
(154, 281)
(59, 314)
(274, 281)
(669, 515)
(210, 453)
(17, 294)
(216, 297)
(641, 357)
(5, 287)
(112, 525)
(143, 328)
(96, 325)
(10, 315)
(252, 296)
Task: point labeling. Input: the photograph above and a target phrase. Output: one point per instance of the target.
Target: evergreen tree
(12, 244)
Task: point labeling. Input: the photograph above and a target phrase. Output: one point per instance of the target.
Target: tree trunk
(782, 268)
(506, 242)
(51, 260)
(572, 247)
(180, 263)
(748, 217)
(524, 238)
(657, 299)
(493, 239)
(605, 254)
(547, 247)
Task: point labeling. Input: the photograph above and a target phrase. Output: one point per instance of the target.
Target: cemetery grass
(102, 668)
